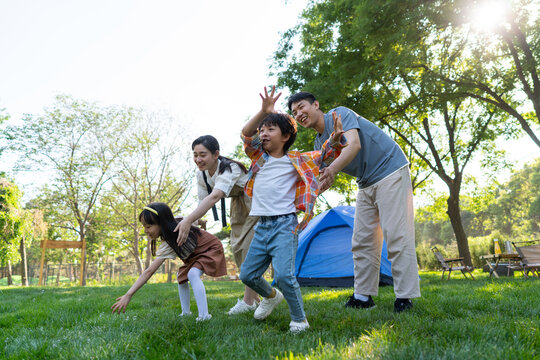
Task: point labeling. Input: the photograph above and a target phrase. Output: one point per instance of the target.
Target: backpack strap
(214, 210)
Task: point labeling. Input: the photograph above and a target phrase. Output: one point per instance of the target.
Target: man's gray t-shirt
(379, 155)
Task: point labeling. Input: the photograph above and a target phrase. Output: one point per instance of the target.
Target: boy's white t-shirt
(274, 189)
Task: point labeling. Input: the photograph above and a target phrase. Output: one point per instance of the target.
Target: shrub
(425, 257)
(479, 246)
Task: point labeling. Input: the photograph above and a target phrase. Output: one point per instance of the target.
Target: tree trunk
(75, 279)
(168, 270)
(58, 274)
(24, 263)
(454, 214)
(98, 270)
(112, 270)
(9, 277)
(52, 273)
(148, 254)
(135, 251)
(46, 275)
(70, 272)
(99, 265)
(83, 255)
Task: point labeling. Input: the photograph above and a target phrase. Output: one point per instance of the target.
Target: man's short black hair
(302, 95)
(286, 124)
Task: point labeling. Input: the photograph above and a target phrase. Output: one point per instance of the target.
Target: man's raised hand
(338, 127)
(328, 174)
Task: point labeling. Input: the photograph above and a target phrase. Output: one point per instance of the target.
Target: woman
(221, 177)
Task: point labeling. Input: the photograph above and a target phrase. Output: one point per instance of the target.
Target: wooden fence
(103, 273)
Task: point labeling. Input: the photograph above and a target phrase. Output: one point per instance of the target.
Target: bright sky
(204, 61)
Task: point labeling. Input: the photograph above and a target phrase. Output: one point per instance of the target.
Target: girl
(221, 177)
(201, 254)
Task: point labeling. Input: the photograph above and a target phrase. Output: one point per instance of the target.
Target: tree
(153, 167)
(3, 117)
(15, 226)
(32, 228)
(75, 140)
(516, 211)
(503, 55)
(368, 55)
(9, 224)
(506, 210)
(355, 42)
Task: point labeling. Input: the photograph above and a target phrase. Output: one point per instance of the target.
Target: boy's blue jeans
(274, 241)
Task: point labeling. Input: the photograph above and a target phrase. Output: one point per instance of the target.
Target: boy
(280, 183)
(384, 204)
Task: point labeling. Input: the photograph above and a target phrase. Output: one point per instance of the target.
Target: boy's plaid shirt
(307, 164)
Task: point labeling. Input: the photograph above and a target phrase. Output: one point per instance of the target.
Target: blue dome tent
(324, 256)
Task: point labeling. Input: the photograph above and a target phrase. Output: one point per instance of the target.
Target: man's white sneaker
(242, 307)
(185, 314)
(298, 327)
(267, 305)
(203, 318)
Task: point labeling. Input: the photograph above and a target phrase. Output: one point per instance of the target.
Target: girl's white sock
(183, 292)
(194, 277)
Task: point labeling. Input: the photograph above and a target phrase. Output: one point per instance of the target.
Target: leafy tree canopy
(345, 50)
(10, 221)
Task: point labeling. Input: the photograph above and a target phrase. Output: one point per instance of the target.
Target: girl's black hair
(211, 143)
(166, 221)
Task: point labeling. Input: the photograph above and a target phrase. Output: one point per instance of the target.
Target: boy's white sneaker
(298, 327)
(267, 305)
(203, 318)
(242, 307)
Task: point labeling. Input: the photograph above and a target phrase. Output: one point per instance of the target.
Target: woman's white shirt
(224, 181)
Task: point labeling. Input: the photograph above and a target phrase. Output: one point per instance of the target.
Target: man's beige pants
(385, 211)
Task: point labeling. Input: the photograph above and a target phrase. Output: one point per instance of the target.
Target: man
(384, 207)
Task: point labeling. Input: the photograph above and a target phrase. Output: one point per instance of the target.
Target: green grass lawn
(456, 319)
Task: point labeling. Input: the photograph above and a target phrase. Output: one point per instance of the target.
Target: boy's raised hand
(268, 101)
(267, 108)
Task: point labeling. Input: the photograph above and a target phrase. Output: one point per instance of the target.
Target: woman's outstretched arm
(205, 205)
